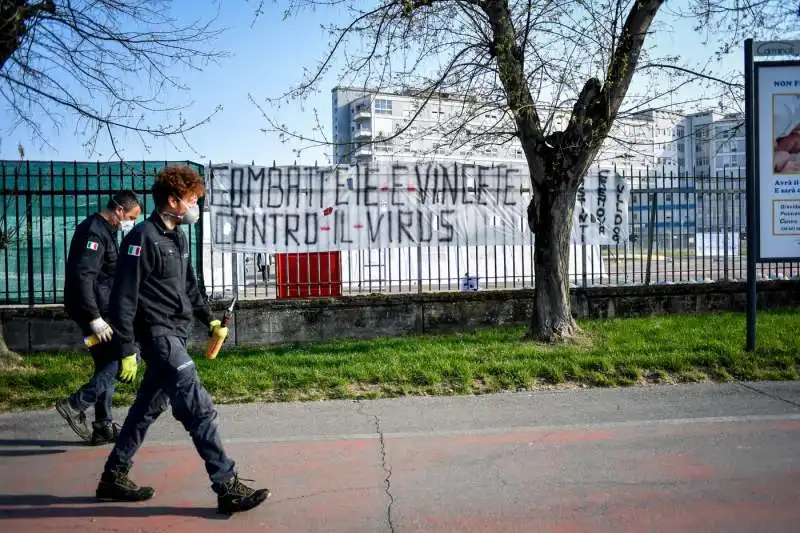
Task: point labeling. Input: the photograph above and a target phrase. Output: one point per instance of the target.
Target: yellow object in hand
(91, 340)
(218, 334)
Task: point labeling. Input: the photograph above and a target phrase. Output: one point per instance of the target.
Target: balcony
(363, 151)
(363, 133)
(361, 112)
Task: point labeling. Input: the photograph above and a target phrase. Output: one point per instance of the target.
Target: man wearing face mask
(154, 299)
(91, 265)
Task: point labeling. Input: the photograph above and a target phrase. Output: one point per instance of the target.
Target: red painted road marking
(635, 478)
(683, 466)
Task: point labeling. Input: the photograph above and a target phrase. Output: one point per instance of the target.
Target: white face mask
(124, 225)
(191, 215)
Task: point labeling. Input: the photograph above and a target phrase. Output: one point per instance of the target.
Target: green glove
(212, 326)
(127, 369)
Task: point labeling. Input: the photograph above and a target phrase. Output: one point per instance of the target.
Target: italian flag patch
(91, 245)
(134, 250)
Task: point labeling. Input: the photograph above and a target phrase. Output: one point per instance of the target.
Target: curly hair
(176, 181)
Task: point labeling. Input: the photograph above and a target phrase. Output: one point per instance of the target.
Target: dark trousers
(99, 389)
(171, 377)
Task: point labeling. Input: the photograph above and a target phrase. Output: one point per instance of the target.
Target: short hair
(127, 200)
(176, 181)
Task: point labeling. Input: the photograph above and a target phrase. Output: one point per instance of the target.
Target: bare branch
(110, 64)
(558, 72)
(693, 73)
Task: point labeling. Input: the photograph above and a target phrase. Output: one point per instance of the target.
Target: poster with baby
(786, 131)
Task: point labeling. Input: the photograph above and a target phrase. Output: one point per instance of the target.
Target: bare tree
(528, 60)
(10, 230)
(108, 68)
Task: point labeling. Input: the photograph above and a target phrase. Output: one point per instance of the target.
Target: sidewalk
(688, 458)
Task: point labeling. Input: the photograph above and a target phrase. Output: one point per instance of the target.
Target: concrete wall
(285, 321)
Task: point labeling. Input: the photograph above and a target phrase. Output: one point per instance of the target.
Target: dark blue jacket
(91, 265)
(155, 291)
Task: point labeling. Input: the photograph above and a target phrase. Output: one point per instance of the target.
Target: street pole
(752, 239)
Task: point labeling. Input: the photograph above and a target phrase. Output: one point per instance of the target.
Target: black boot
(105, 434)
(75, 418)
(234, 496)
(117, 486)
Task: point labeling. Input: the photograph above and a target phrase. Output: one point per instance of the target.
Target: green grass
(614, 352)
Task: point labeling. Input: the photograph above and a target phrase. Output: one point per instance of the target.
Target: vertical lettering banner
(304, 209)
(601, 209)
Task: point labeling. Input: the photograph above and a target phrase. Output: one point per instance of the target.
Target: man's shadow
(41, 443)
(25, 453)
(36, 447)
(41, 506)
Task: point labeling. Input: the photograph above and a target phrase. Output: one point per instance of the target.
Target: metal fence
(41, 203)
(683, 229)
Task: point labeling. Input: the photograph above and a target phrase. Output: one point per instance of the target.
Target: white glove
(101, 328)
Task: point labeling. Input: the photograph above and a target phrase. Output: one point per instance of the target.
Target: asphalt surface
(682, 458)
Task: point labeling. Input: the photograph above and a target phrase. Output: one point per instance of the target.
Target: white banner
(318, 209)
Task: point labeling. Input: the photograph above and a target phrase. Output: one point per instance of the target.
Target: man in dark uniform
(91, 265)
(154, 298)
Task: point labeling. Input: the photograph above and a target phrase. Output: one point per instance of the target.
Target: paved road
(693, 458)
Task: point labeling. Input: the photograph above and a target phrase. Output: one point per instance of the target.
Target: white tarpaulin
(317, 209)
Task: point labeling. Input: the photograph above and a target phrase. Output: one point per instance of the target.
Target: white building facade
(372, 126)
(713, 144)
(369, 127)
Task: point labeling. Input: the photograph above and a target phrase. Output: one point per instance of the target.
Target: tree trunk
(8, 359)
(550, 218)
(15, 16)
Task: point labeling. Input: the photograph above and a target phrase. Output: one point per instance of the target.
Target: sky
(265, 60)
(267, 56)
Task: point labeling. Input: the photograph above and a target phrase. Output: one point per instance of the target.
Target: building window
(383, 107)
